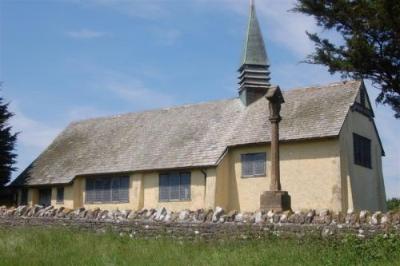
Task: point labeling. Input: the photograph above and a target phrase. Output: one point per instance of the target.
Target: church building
(219, 153)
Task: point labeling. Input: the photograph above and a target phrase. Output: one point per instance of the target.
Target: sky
(67, 60)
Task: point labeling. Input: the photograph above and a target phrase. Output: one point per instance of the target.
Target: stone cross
(275, 199)
(275, 99)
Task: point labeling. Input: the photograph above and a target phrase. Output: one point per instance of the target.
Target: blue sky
(64, 60)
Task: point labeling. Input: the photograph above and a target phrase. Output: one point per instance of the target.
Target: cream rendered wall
(365, 187)
(68, 197)
(33, 196)
(143, 193)
(310, 171)
(222, 183)
(210, 188)
(151, 192)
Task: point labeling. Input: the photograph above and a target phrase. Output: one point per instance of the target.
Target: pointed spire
(254, 72)
(254, 50)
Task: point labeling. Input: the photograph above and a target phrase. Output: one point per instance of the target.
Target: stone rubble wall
(206, 223)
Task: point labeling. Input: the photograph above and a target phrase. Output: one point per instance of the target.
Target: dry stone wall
(206, 223)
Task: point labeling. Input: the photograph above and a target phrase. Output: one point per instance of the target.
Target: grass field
(63, 247)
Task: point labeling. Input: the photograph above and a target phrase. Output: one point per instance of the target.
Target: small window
(362, 151)
(174, 186)
(253, 164)
(60, 195)
(45, 197)
(24, 197)
(107, 190)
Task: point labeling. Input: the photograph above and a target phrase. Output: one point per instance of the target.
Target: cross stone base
(275, 200)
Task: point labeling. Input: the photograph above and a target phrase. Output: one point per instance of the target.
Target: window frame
(24, 196)
(60, 200)
(102, 186)
(244, 160)
(169, 175)
(362, 151)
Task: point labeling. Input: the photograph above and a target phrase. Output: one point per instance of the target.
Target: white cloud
(85, 34)
(127, 87)
(34, 136)
(33, 133)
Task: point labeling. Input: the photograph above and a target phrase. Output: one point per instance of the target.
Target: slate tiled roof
(185, 136)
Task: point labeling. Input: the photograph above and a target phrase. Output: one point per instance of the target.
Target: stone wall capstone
(206, 223)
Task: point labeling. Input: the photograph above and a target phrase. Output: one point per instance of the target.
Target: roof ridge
(316, 86)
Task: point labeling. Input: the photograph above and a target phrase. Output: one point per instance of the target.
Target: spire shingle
(254, 74)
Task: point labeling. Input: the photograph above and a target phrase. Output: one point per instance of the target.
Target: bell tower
(254, 72)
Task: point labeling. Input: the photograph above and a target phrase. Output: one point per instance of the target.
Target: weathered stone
(239, 217)
(160, 214)
(363, 216)
(209, 215)
(184, 215)
(396, 218)
(249, 217)
(142, 212)
(11, 212)
(174, 216)
(230, 216)
(149, 213)
(297, 218)
(323, 212)
(275, 200)
(168, 216)
(59, 210)
(336, 218)
(124, 214)
(49, 208)
(258, 217)
(310, 216)
(352, 218)
(386, 218)
(276, 218)
(376, 217)
(199, 215)
(285, 216)
(89, 215)
(133, 215)
(103, 214)
(217, 214)
(21, 210)
(67, 211)
(83, 214)
(52, 213)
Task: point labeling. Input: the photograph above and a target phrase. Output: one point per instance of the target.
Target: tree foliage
(7, 143)
(393, 204)
(370, 47)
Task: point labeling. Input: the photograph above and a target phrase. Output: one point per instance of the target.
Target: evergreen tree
(371, 42)
(7, 143)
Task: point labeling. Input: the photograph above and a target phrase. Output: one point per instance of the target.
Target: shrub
(393, 204)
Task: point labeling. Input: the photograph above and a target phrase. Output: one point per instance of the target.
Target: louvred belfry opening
(254, 77)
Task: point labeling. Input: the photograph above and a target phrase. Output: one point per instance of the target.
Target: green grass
(28, 246)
